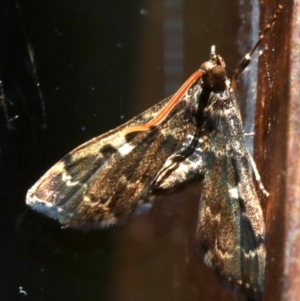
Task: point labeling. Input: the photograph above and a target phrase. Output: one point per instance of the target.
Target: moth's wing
(104, 180)
(231, 227)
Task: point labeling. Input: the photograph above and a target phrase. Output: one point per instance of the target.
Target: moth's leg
(247, 58)
(257, 175)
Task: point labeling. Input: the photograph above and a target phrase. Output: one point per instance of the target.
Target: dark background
(99, 63)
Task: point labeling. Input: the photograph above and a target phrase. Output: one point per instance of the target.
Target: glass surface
(71, 70)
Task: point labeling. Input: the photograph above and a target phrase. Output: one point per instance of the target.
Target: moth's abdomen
(182, 169)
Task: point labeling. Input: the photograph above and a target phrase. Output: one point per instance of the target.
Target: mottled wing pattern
(230, 228)
(231, 225)
(103, 181)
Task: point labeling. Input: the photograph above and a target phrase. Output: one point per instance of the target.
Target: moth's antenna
(167, 108)
(247, 58)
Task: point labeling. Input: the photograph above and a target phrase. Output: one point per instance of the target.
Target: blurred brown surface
(292, 208)
(157, 258)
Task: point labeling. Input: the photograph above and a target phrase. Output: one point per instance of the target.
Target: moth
(194, 136)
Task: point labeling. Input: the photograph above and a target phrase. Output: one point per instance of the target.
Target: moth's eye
(218, 74)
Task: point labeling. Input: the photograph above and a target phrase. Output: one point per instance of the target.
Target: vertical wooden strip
(276, 150)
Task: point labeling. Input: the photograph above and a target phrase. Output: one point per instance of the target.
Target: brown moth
(195, 136)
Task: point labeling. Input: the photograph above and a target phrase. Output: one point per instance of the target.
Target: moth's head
(214, 73)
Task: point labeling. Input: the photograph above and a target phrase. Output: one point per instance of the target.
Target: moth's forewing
(103, 181)
(231, 229)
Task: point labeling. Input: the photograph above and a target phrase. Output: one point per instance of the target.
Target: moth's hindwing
(104, 180)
